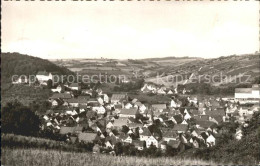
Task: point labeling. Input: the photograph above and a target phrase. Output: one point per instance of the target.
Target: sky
(130, 30)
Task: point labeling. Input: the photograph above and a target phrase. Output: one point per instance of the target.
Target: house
(162, 145)
(121, 121)
(96, 148)
(187, 116)
(211, 140)
(148, 87)
(67, 130)
(169, 135)
(100, 100)
(173, 104)
(170, 92)
(58, 89)
(56, 102)
(86, 91)
(180, 128)
(205, 124)
(109, 125)
(43, 76)
(216, 119)
(91, 114)
(169, 123)
(73, 139)
(132, 112)
(75, 86)
(141, 107)
(151, 141)
(76, 102)
(148, 113)
(161, 91)
(217, 111)
(99, 109)
(184, 122)
(175, 144)
(196, 132)
(110, 142)
(134, 125)
(177, 119)
(118, 98)
(23, 79)
(138, 144)
(195, 142)
(128, 105)
(78, 129)
(238, 134)
(248, 93)
(63, 96)
(145, 134)
(134, 101)
(105, 98)
(201, 117)
(128, 139)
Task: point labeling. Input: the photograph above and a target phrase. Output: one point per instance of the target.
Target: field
(38, 157)
(174, 62)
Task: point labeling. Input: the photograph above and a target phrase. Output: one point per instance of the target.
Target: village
(106, 120)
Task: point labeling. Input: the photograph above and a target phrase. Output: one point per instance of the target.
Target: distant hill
(225, 71)
(170, 58)
(19, 64)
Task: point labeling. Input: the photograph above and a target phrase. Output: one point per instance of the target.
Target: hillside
(37, 157)
(19, 64)
(244, 151)
(222, 71)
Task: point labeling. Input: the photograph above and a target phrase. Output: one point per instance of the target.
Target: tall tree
(19, 119)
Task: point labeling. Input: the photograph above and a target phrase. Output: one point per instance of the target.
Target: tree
(119, 148)
(19, 119)
(49, 84)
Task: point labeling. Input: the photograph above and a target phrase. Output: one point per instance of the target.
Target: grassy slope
(38, 157)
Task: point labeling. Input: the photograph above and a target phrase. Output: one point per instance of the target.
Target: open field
(38, 157)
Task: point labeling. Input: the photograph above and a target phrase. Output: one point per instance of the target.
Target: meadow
(39, 157)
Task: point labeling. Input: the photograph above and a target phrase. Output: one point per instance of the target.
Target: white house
(105, 98)
(170, 92)
(151, 141)
(211, 140)
(142, 108)
(99, 110)
(43, 76)
(184, 122)
(128, 105)
(173, 104)
(128, 140)
(187, 116)
(109, 125)
(75, 86)
(58, 89)
(100, 101)
(238, 134)
(248, 93)
(161, 91)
